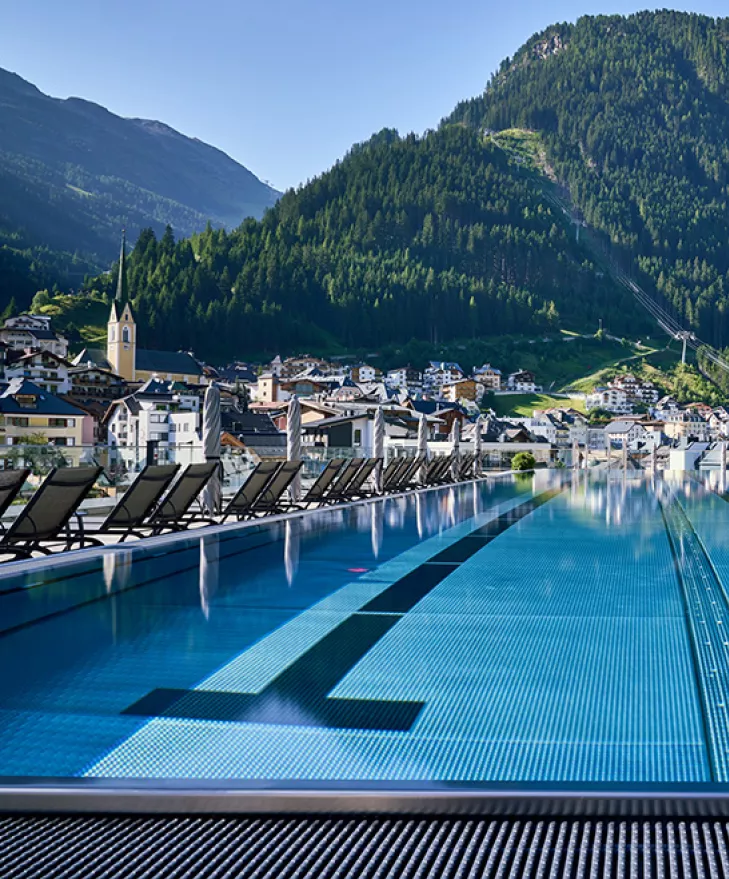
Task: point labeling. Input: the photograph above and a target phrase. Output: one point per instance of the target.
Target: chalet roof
(36, 332)
(621, 426)
(95, 356)
(237, 423)
(45, 402)
(19, 357)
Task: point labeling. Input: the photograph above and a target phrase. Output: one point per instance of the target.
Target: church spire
(122, 292)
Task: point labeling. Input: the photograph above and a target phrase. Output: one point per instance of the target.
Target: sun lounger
(318, 491)
(39, 525)
(389, 472)
(441, 472)
(173, 512)
(240, 505)
(465, 466)
(270, 499)
(398, 467)
(356, 487)
(11, 481)
(408, 474)
(134, 507)
(339, 488)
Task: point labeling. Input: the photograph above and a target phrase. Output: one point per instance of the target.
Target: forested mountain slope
(436, 237)
(72, 174)
(634, 114)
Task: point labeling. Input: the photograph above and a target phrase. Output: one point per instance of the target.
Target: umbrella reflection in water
(209, 571)
(292, 545)
(377, 523)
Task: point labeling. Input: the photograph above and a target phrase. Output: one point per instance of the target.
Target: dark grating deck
(113, 846)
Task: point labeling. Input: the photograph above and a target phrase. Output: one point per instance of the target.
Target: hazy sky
(283, 86)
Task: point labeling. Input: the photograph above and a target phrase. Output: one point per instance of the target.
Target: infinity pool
(549, 630)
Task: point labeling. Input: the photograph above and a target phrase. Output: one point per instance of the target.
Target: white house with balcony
(45, 369)
(440, 373)
(155, 413)
(33, 332)
(611, 399)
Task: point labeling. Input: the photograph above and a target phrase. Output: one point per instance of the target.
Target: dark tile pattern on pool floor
(298, 696)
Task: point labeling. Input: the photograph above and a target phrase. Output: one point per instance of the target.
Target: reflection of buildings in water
(396, 512)
(618, 501)
(209, 571)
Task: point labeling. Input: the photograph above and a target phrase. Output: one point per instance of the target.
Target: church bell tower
(121, 330)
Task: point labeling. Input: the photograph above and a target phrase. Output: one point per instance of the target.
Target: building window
(57, 422)
(18, 422)
(126, 335)
(357, 437)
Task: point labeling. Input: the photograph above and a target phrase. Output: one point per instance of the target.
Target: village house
(463, 389)
(635, 389)
(363, 372)
(488, 376)
(612, 399)
(294, 365)
(624, 430)
(155, 413)
(521, 382)
(33, 332)
(439, 373)
(93, 384)
(686, 424)
(28, 410)
(405, 378)
(45, 369)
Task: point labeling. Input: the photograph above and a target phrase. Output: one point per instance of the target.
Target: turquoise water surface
(547, 630)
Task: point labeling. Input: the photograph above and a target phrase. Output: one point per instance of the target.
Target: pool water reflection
(560, 629)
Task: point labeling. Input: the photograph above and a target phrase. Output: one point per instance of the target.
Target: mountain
(439, 237)
(72, 174)
(477, 229)
(634, 116)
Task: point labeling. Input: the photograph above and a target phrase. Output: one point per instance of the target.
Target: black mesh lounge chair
(173, 512)
(408, 473)
(465, 467)
(39, 525)
(441, 473)
(11, 481)
(391, 480)
(356, 487)
(431, 469)
(136, 504)
(318, 491)
(393, 469)
(340, 486)
(389, 472)
(271, 498)
(240, 505)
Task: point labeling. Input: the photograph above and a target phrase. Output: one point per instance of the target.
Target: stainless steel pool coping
(506, 802)
(63, 559)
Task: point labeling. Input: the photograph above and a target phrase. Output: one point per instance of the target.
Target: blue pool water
(547, 630)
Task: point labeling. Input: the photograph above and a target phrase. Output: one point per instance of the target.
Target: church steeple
(122, 292)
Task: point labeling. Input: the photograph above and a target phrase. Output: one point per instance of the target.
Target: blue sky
(283, 86)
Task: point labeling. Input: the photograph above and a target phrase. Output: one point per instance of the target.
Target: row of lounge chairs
(156, 502)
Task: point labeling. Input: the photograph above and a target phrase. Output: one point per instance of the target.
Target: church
(124, 358)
